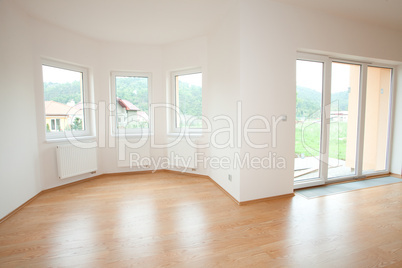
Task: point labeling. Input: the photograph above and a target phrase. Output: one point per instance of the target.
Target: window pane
(377, 119)
(189, 100)
(345, 84)
(309, 87)
(58, 124)
(63, 99)
(132, 102)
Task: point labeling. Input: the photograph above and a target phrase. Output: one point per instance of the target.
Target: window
(343, 115)
(55, 124)
(65, 91)
(130, 93)
(187, 98)
(309, 92)
(377, 119)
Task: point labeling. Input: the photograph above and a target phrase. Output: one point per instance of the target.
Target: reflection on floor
(174, 220)
(346, 187)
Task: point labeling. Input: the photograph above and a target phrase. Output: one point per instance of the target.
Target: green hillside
(131, 89)
(63, 92)
(309, 102)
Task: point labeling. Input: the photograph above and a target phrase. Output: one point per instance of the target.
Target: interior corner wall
(42, 40)
(271, 33)
(267, 85)
(19, 164)
(179, 56)
(127, 58)
(101, 58)
(222, 96)
(396, 145)
(55, 43)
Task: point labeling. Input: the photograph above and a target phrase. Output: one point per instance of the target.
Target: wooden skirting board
(242, 203)
(19, 208)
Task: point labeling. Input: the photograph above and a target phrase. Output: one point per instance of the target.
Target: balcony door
(343, 114)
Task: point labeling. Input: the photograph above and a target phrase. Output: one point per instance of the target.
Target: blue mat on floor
(346, 187)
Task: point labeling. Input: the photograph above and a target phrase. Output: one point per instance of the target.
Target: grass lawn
(311, 137)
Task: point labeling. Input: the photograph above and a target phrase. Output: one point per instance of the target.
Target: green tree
(77, 124)
(63, 92)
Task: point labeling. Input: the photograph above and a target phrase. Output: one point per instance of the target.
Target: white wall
(223, 94)
(267, 89)
(102, 58)
(179, 56)
(135, 58)
(19, 161)
(271, 33)
(55, 43)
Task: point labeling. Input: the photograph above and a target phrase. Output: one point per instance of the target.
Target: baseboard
(183, 173)
(266, 199)
(19, 208)
(72, 183)
(395, 175)
(126, 173)
(223, 190)
(136, 172)
(205, 177)
(242, 203)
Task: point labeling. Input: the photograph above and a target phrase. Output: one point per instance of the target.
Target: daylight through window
(131, 92)
(342, 119)
(64, 100)
(188, 100)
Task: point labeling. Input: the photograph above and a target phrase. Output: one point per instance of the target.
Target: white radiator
(73, 161)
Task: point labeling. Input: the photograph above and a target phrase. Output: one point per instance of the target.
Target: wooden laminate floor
(172, 220)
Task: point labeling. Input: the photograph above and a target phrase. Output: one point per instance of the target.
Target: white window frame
(86, 98)
(172, 99)
(113, 112)
(326, 100)
(55, 124)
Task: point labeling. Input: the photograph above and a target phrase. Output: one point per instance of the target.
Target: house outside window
(55, 123)
(131, 92)
(65, 91)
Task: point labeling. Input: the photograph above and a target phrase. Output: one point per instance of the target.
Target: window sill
(59, 139)
(132, 135)
(191, 134)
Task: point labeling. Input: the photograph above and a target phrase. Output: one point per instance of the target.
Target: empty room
(201, 133)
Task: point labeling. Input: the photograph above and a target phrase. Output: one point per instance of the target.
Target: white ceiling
(384, 13)
(132, 21)
(165, 21)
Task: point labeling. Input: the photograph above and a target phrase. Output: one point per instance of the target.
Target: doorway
(343, 118)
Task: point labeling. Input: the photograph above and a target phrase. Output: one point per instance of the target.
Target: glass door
(343, 112)
(345, 88)
(309, 100)
(377, 115)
